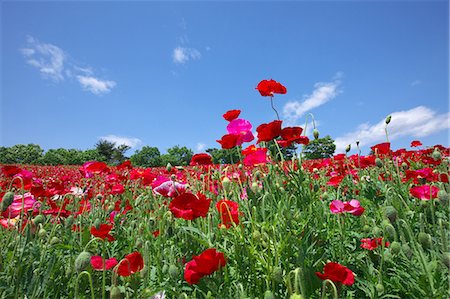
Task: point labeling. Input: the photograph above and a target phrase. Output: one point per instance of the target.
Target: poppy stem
(271, 103)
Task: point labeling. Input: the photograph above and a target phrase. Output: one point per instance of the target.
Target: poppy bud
(348, 148)
(255, 187)
(39, 219)
(97, 223)
(443, 196)
(388, 119)
(377, 231)
(110, 209)
(42, 233)
(425, 240)
(366, 228)
(325, 196)
(407, 250)
(389, 231)
(173, 271)
(54, 241)
(169, 167)
(395, 247)
(82, 261)
(391, 213)
(404, 165)
(7, 200)
(115, 293)
(380, 289)
(256, 235)
(378, 162)
(316, 134)
(357, 142)
(99, 197)
(316, 188)
(387, 256)
(277, 274)
(436, 155)
(446, 259)
(69, 221)
(226, 183)
(269, 295)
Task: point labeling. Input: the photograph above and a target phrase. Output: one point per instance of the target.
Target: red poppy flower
(372, 244)
(268, 87)
(10, 170)
(229, 212)
(381, 149)
(231, 114)
(424, 192)
(117, 189)
(103, 232)
(99, 263)
(208, 262)
(270, 131)
(201, 159)
(95, 167)
(337, 273)
(416, 143)
(131, 263)
(189, 207)
(229, 141)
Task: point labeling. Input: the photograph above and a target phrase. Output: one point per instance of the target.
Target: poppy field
(349, 226)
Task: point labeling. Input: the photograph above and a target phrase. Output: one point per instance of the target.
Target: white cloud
(119, 140)
(54, 63)
(323, 92)
(96, 86)
(48, 58)
(182, 55)
(200, 147)
(415, 123)
(416, 82)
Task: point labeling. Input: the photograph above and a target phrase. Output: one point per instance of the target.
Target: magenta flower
(29, 203)
(241, 128)
(424, 192)
(100, 264)
(353, 207)
(337, 207)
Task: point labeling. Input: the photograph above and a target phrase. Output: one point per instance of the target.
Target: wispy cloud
(96, 86)
(200, 147)
(418, 122)
(322, 93)
(48, 58)
(181, 55)
(55, 64)
(120, 140)
(416, 82)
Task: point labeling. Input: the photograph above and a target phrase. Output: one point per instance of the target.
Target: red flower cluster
(103, 232)
(229, 212)
(189, 207)
(268, 87)
(337, 273)
(372, 244)
(131, 263)
(201, 159)
(254, 155)
(204, 264)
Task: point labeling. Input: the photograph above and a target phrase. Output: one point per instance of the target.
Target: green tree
(319, 148)
(224, 156)
(21, 154)
(62, 156)
(147, 157)
(177, 156)
(111, 153)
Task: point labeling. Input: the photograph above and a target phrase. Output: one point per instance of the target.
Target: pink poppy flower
(424, 192)
(242, 128)
(354, 207)
(98, 263)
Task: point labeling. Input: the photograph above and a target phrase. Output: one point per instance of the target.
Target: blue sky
(163, 73)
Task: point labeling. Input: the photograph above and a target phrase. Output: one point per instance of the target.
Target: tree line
(147, 156)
